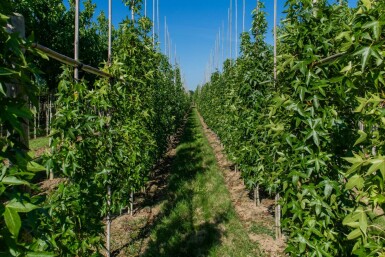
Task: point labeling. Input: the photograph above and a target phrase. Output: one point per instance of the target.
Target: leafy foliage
(105, 132)
(290, 136)
(17, 206)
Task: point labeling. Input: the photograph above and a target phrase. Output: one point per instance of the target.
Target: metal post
(153, 21)
(275, 42)
(76, 57)
(236, 29)
(157, 15)
(244, 14)
(109, 58)
(132, 10)
(231, 23)
(165, 35)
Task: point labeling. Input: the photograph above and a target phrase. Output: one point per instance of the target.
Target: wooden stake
(108, 246)
(132, 203)
(34, 123)
(257, 200)
(278, 233)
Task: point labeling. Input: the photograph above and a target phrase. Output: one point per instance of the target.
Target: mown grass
(198, 218)
(37, 144)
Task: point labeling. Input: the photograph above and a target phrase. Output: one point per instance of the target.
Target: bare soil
(256, 219)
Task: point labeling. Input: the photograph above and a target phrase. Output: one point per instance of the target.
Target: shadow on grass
(176, 231)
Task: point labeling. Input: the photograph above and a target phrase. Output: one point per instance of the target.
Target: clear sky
(194, 26)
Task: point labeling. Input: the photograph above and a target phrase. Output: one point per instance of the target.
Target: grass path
(198, 218)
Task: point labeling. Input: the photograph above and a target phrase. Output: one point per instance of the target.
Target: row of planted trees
(315, 136)
(106, 133)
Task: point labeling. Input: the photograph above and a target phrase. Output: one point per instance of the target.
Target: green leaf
(354, 234)
(21, 207)
(376, 27)
(367, 4)
(6, 71)
(35, 167)
(12, 220)
(362, 138)
(11, 180)
(315, 138)
(377, 164)
(363, 222)
(365, 53)
(355, 181)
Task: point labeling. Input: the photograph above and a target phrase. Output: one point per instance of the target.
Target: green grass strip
(198, 218)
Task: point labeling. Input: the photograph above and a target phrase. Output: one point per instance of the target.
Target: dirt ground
(258, 220)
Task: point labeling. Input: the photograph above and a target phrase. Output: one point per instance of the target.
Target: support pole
(275, 42)
(165, 35)
(231, 23)
(76, 44)
(108, 246)
(236, 29)
(243, 16)
(132, 203)
(257, 199)
(153, 21)
(278, 207)
(132, 10)
(109, 58)
(157, 15)
(109, 32)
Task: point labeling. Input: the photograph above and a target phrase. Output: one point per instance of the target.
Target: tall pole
(278, 206)
(236, 29)
(157, 15)
(228, 30)
(109, 31)
(231, 23)
(153, 23)
(275, 42)
(109, 58)
(223, 40)
(76, 44)
(132, 10)
(165, 35)
(244, 14)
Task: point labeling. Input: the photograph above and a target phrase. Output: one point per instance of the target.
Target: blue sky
(194, 26)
